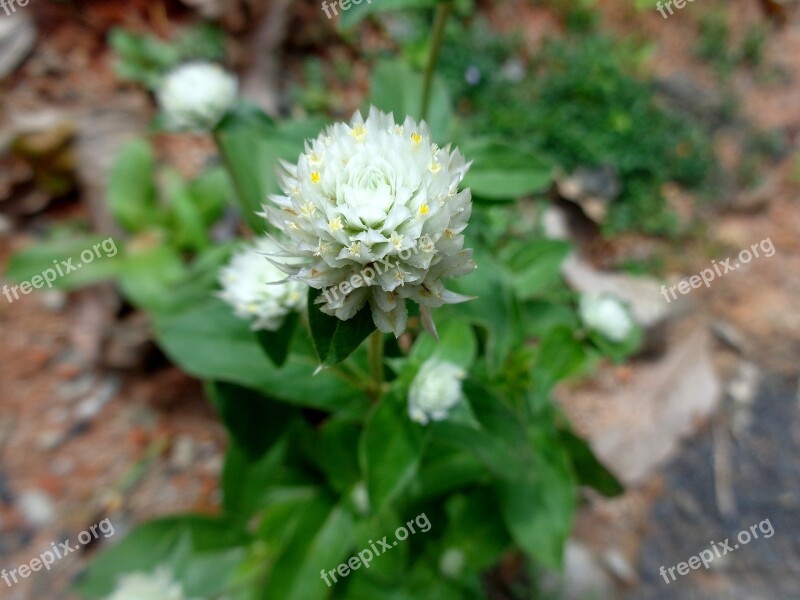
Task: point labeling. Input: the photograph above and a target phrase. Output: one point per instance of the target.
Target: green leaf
(251, 145)
(494, 308)
(319, 542)
(536, 265)
(208, 341)
(338, 452)
(589, 470)
(358, 11)
(334, 339)
(150, 272)
(390, 450)
(456, 344)
(131, 187)
(504, 172)
(397, 88)
(45, 258)
(538, 508)
(176, 543)
(186, 222)
(255, 422)
(276, 344)
(560, 356)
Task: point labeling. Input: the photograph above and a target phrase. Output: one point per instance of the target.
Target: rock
(642, 294)
(183, 453)
(593, 189)
(665, 402)
(17, 39)
(584, 577)
(37, 508)
(91, 406)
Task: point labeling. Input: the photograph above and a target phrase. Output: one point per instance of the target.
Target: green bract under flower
(374, 208)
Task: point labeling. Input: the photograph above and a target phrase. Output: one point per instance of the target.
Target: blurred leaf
(588, 469)
(494, 308)
(186, 226)
(142, 58)
(535, 265)
(390, 450)
(255, 422)
(358, 11)
(334, 339)
(338, 452)
(320, 540)
(395, 87)
(131, 187)
(149, 274)
(177, 543)
(456, 344)
(208, 341)
(504, 172)
(251, 145)
(276, 344)
(50, 255)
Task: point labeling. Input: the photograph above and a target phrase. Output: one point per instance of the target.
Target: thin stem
(437, 38)
(376, 362)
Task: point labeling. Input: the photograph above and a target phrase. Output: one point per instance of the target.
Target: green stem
(376, 362)
(437, 38)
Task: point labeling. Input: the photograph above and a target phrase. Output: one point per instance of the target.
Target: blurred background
(676, 141)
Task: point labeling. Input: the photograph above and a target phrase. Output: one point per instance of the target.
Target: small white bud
(606, 315)
(435, 390)
(148, 586)
(196, 96)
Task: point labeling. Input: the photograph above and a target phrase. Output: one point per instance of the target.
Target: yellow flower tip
(435, 167)
(335, 224)
(424, 210)
(417, 138)
(315, 177)
(359, 132)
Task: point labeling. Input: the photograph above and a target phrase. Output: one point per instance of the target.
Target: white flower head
(195, 96)
(435, 390)
(158, 585)
(606, 315)
(374, 209)
(249, 286)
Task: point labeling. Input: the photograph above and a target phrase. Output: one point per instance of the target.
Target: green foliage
(145, 58)
(583, 106)
(324, 459)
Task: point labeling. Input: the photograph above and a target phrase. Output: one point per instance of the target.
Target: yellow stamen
(315, 177)
(424, 209)
(417, 138)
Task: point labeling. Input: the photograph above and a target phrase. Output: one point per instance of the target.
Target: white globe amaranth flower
(249, 286)
(374, 209)
(195, 96)
(435, 390)
(158, 585)
(607, 315)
